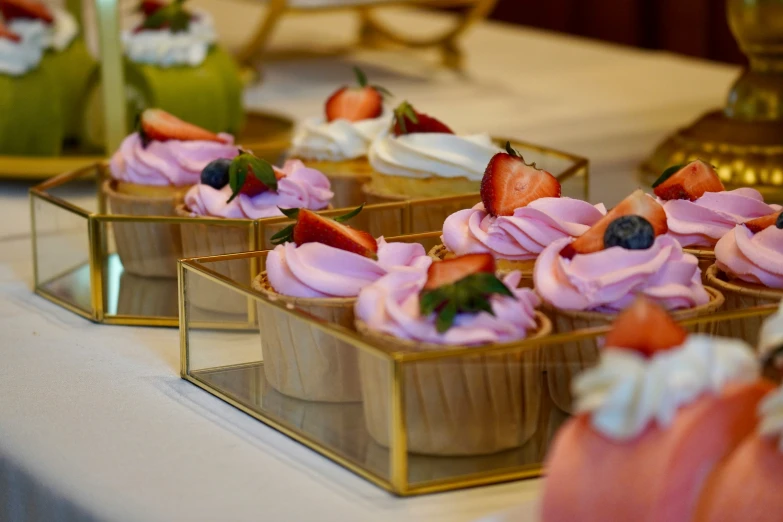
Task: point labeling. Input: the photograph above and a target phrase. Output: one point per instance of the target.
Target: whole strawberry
(408, 120)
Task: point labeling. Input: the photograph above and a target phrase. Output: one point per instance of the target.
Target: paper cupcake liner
(424, 218)
(740, 296)
(304, 362)
(503, 266)
(200, 240)
(146, 249)
(346, 178)
(465, 406)
(562, 362)
(706, 257)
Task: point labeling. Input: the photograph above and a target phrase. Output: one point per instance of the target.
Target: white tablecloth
(95, 423)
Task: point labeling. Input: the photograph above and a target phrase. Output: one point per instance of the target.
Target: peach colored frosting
(301, 187)
(523, 235)
(609, 280)
(172, 162)
(318, 270)
(754, 258)
(703, 222)
(391, 305)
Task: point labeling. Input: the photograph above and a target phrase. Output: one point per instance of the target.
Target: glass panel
(62, 259)
(80, 189)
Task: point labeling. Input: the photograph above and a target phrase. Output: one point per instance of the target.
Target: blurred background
(691, 27)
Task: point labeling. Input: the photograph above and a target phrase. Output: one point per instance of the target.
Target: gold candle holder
(744, 140)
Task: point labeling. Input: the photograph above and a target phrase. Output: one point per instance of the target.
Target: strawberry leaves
(469, 295)
(405, 111)
(244, 165)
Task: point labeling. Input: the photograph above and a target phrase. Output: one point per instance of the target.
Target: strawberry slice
(150, 7)
(312, 228)
(449, 271)
(760, 223)
(408, 120)
(509, 183)
(689, 181)
(638, 203)
(27, 9)
(159, 125)
(8, 34)
(356, 103)
(646, 328)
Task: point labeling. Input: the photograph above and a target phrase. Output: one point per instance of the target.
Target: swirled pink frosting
(755, 258)
(318, 270)
(608, 281)
(703, 222)
(172, 162)
(391, 305)
(523, 235)
(302, 187)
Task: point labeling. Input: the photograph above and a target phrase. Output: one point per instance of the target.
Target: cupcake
(699, 211)
(66, 52)
(25, 129)
(521, 213)
(585, 282)
(150, 174)
(421, 157)
(319, 268)
(747, 485)
(245, 188)
(652, 423)
(337, 143)
(465, 405)
(749, 271)
(173, 62)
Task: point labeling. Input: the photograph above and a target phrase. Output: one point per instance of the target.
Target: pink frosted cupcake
(320, 268)
(150, 174)
(700, 211)
(749, 271)
(260, 193)
(456, 302)
(585, 282)
(654, 420)
(521, 213)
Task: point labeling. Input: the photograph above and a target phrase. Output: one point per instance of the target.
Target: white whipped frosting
(167, 49)
(424, 155)
(771, 334)
(17, 58)
(58, 35)
(627, 391)
(771, 413)
(318, 139)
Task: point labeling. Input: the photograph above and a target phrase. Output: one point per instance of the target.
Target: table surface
(95, 423)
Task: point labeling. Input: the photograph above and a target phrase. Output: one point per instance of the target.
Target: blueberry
(629, 232)
(779, 222)
(215, 174)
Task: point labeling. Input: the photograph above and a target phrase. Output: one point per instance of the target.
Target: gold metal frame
(575, 170)
(373, 32)
(398, 481)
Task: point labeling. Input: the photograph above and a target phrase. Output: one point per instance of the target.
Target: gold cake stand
(744, 140)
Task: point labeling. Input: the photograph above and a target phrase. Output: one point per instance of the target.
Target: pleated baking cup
(503, 266)
(706, 257)
(201, 240)
(146, 249)
(739, 296)
(562, 362)
(473, 405)
(305, 362)
(424, 218)
(346, 178)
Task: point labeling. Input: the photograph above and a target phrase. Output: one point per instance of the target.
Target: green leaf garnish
(667, 174)
(292, 213)
(284, 236)
(468, 295)
(246, 164)
(361, 78)
(349, 215)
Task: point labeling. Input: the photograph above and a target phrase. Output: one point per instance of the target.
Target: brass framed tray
(261, 129)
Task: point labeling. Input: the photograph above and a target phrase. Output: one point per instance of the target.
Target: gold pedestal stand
(745, 139)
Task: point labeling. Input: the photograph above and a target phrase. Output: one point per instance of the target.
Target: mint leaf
(446, 316)
(284, 236)
(236, 178)
(292, 213)
(262, 170)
